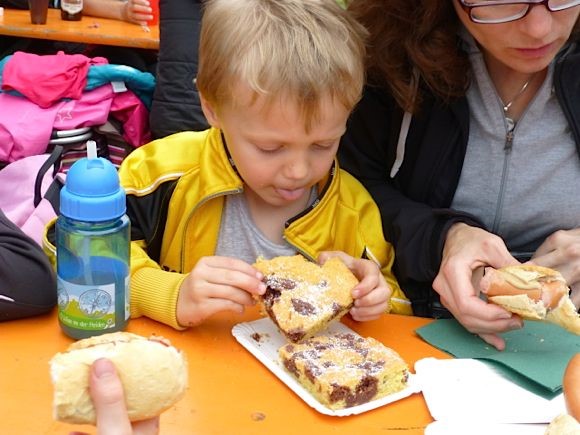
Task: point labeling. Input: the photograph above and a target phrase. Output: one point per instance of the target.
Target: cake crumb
(258, 416)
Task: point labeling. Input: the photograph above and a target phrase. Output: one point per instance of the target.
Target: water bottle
(92, 249)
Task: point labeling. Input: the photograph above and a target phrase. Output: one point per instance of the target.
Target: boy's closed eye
(270, 149)
(325, 146)
(319, 146)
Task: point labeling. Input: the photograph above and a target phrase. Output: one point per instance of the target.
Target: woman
(468, 138)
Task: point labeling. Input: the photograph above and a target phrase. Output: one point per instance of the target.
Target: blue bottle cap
(92, 192)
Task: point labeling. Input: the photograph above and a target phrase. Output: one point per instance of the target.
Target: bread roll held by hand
(571, 386)
(153, 374)
(567, 424)
(533, 292)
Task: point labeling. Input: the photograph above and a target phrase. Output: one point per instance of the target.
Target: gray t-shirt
(526, 193)
(240, 238)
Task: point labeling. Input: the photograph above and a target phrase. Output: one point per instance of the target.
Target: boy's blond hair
(302, 50)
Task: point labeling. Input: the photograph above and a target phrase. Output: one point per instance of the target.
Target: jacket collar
(214, 173)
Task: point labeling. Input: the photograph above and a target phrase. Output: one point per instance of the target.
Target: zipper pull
(509, 141)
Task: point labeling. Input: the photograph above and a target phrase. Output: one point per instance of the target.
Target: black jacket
(176, 105)
(415, 203)
(27, 280)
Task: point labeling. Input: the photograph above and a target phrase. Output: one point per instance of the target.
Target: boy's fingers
(327, 255)
(108, 399)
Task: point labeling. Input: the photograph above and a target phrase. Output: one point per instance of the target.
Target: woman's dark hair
(413, 44)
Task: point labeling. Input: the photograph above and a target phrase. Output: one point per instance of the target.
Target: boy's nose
(297, 169)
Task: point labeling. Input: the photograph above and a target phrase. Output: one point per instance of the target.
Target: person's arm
(416, 229)
(184, 298)
(154, 291)
(176, 105)
(28, 283)
(132, 11)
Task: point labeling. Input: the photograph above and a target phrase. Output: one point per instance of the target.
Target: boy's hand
(217, 284)
(371, 295)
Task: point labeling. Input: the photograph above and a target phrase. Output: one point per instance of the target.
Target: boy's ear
(210, 112)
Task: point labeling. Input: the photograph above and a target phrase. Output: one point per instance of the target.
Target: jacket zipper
(509, 141)
(199, 204)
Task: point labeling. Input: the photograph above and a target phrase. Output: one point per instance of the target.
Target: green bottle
(92, 249)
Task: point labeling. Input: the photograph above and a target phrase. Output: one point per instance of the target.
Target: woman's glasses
(494, 12)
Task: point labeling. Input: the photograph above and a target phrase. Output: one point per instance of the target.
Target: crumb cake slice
(303, 297)
(345, 370)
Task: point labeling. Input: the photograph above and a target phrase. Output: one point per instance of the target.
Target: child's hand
(217, 284)
(372, 294)
(137, 12)
(107, 394)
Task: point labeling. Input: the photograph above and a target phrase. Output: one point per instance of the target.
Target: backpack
(30, 187)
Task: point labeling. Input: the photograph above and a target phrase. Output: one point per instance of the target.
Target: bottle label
(127, 299)
(72, 6)
(87, 307)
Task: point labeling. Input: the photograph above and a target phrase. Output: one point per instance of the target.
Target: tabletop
(230, 391)
(89, 30)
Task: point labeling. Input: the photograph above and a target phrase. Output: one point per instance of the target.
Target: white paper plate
(471, 391)
(479, 428)
(262, 339)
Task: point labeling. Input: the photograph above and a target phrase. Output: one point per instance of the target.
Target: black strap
(52, 194)
(53, 160)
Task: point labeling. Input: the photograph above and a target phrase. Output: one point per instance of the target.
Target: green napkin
(535, 357)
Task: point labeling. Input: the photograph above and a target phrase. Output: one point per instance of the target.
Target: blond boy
(277, 81)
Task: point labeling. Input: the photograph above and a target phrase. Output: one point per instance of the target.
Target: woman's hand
(561, 251)
(217, 284)
(467, 250)
(372, 293)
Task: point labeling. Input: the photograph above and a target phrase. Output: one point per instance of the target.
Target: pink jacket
(54, 99)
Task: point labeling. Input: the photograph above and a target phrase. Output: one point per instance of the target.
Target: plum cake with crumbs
(345, 370)
(302, 297)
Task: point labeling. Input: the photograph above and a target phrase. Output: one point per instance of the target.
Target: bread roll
(153, 374)
(571, 386)
(533, 292)
(563, 424)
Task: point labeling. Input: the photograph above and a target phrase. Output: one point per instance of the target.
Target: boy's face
(278, 160)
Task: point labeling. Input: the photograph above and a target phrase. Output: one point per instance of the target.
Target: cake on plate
(345, 370)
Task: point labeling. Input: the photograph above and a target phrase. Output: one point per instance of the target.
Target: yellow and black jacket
(176, 188)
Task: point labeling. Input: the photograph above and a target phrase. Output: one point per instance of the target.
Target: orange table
(229, 389)
(89, 30)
